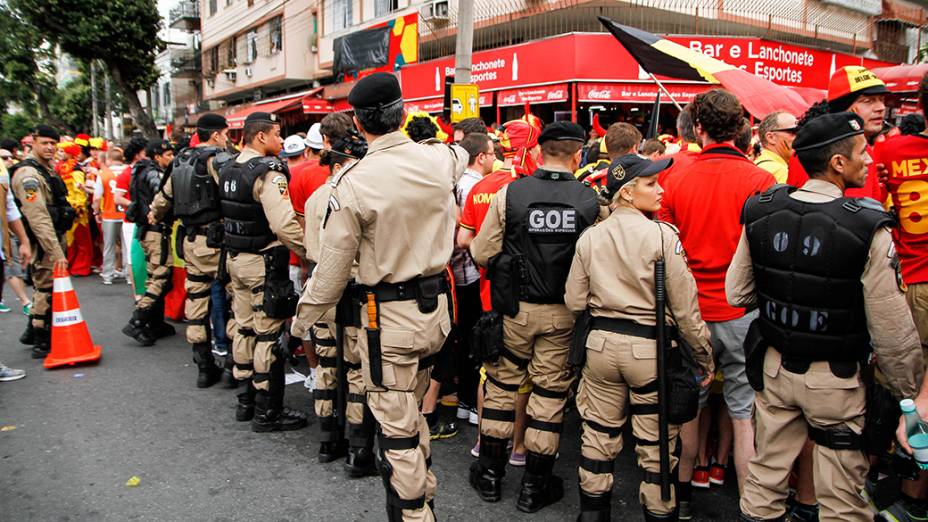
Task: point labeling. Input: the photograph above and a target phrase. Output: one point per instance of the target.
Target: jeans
(219, 315)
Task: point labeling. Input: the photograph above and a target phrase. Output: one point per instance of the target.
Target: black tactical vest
(60, 211)
(144, 184)
(196, 195)
(246, 226)
(545, 214)
(808, 259)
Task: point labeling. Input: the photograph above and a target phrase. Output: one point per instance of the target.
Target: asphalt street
(71, 438)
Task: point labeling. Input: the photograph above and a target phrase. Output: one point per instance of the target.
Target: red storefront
(568, 76)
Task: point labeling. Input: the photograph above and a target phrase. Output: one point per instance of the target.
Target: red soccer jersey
(797, 177)
(906, 158)
(475, 210)
(704, 201)
(123, 180)
(305, 178)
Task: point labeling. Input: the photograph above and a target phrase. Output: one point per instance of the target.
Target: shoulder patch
(280, 181)
(31, 189)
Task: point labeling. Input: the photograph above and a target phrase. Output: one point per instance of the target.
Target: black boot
(159, 327)
(228, 377)
(360, 462)
(267, 418)
(138, 328)
(540, 487)
(333, 445)
(486, 475)
(208, 373)
(595, 508)
(43, 342)
(651, 517)
(28, 336)
(245, 410)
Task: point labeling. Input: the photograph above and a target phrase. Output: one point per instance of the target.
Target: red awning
(314, 105)
(634, 92)
(544, 94)
(902, 78)
(236, 120)
(434, 105)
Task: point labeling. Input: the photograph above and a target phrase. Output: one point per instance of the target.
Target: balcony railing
(185, 63)
(185, 15)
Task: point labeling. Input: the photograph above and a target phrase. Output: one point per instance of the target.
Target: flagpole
(661, 86)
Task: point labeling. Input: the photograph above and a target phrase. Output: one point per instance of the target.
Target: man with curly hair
(704, 201)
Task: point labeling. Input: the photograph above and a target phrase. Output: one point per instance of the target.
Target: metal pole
(108, 104)
(661, 86)
(93, 99)
(464, 45)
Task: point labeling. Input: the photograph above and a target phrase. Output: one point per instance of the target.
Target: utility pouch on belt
(486, 343)
(755, 348)
(880, 421)
(373, 340)
(427, 291)
(279, 296)
(179, 241)
(215, 234)
(576, 357)
(682, 386)
(503, 273)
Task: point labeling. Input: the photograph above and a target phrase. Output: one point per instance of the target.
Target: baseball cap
(630, 166)
(293, 146)
(851, 82)
(314, 137)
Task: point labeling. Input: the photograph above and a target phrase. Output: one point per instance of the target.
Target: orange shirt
(108, 203)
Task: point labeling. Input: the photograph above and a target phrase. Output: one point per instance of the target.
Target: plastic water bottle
(916, 432)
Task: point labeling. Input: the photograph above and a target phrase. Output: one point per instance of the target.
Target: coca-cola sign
(637, 92)
(544, 94)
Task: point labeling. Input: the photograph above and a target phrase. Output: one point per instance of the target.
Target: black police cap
(212, 122)
(562, 131)
(630, 166)
(827, 129)
(376, 91)
(157, 148)
(262, 117)
(46, 131)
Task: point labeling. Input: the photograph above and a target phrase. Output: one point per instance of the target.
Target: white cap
(314, 137)
(293, 146)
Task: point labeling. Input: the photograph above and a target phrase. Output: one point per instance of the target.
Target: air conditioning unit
(435, 12)
(249, 72)
(231, 74)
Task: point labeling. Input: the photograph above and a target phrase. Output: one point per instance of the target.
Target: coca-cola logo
(509, 99)
(599, 94)
(556, 95)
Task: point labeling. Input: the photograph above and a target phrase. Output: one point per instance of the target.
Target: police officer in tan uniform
(192, 193)
(260, 226)
(393, 212)
(526, 243)
(42, 199)
(822, 270)
(147, 322)
(612, 276)
(341, 152)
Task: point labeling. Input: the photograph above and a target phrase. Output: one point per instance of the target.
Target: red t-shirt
(704, 201)
(797, 177)
(474, 212)
(906, 158)
(305, 178)
(122, 183)
(681, 160)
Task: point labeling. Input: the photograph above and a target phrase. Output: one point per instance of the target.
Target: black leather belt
(626, 327)
(405, 291)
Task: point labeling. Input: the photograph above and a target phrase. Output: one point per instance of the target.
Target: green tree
(27, 70)
(16, 124)
(122, 34)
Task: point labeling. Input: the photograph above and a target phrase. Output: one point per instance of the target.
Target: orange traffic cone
(71, 342)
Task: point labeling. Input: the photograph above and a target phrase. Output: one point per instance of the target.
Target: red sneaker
(717, 475)
(700, 477)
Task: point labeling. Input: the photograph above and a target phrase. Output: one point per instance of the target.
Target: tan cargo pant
(538, 339)
(406, 336)
(159, 273)
(323, 335)
(616, 367)
(42, 282)
(252, 348)
(788, 402)
(202, 264)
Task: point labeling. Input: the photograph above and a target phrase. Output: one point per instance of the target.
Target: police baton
(663, 430)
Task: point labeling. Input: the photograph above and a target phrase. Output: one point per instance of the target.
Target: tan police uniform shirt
(489, 240)
(273, 192)
(393, 211)
(33, 194)
(612, 274)
(165, 197)
(314, 213)
(892, 330)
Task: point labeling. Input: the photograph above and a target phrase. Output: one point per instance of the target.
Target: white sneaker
(310, 382)
(9, 374)
(473, 418)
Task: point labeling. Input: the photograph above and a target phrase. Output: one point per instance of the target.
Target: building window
(166, 89)
(213, 60)
(212, 7)
(228, 3)
(277, 42)
(232, 52)
(251, 46)
(342, 16)
(155, 98)
(385, 7)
